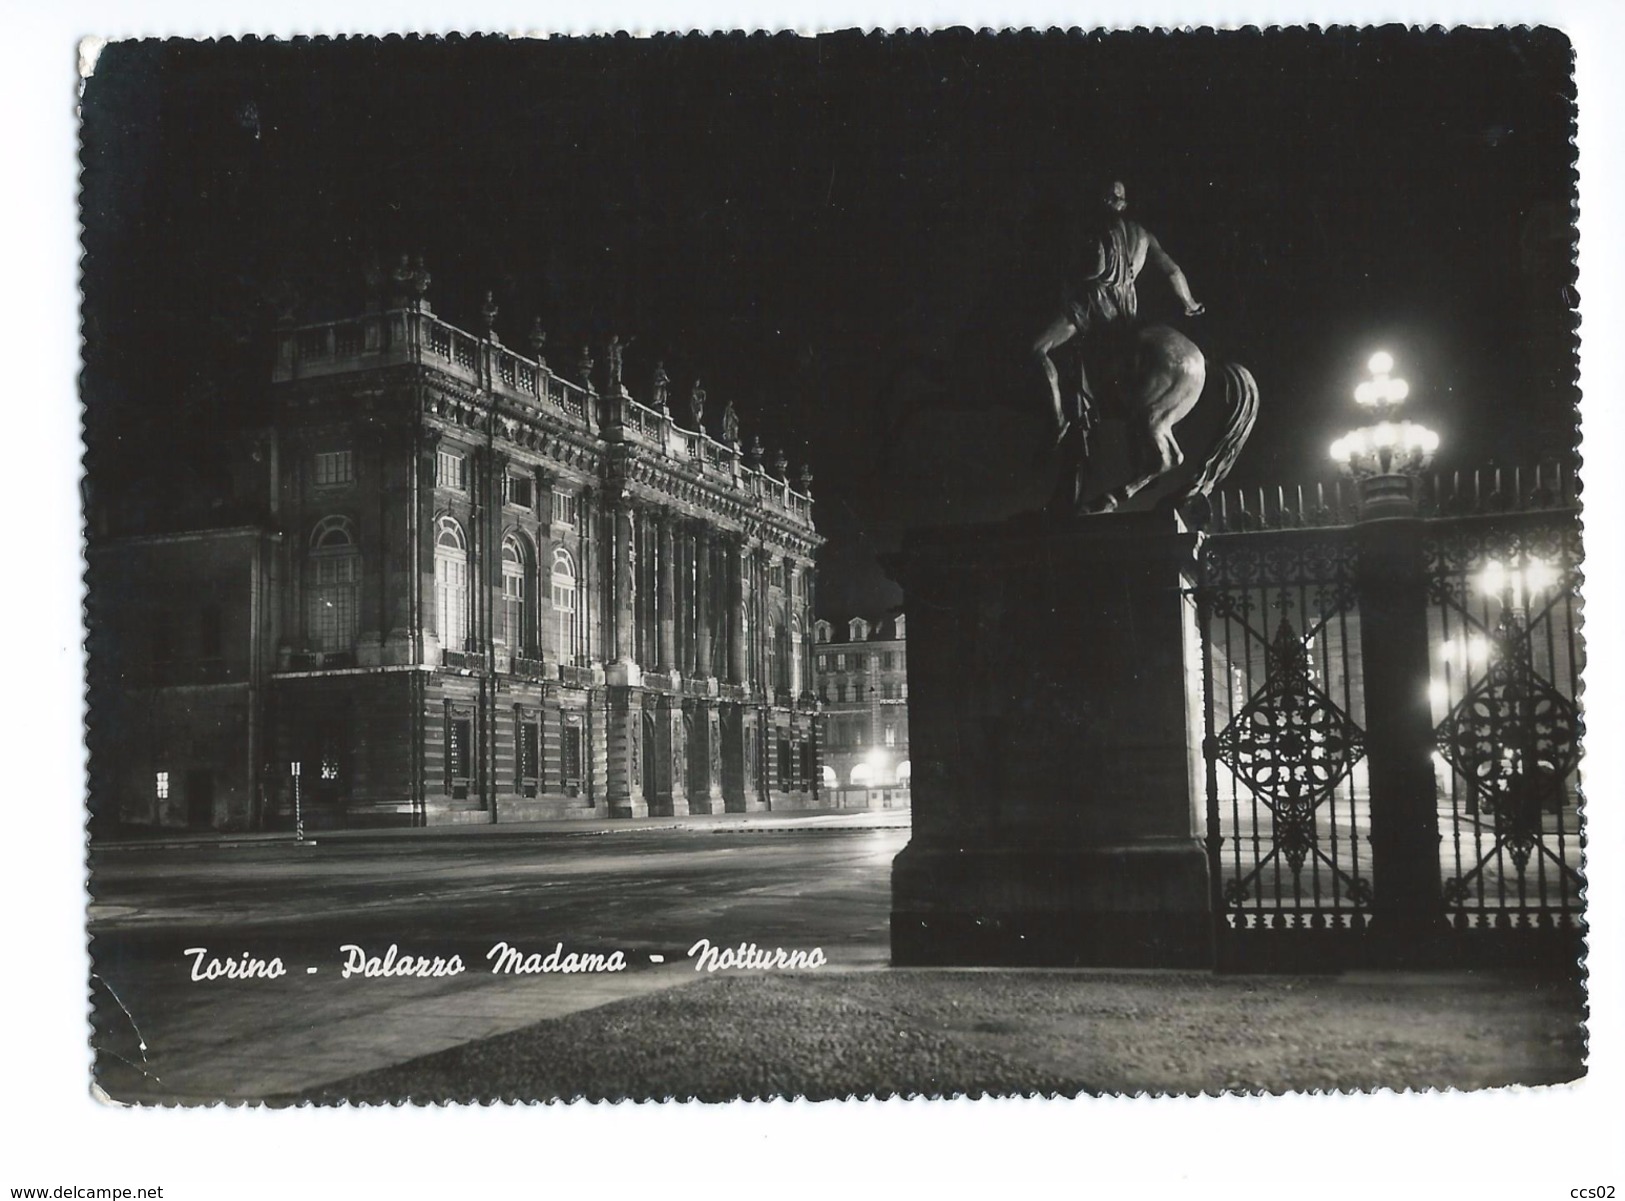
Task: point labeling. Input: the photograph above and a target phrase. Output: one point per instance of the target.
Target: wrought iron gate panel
(1503, 622)
(1284, 740)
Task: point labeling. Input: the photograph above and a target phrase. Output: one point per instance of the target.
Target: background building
(449, 585)
(863, 698)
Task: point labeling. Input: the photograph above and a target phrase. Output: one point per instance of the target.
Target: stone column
(623, 581)
(1051, 730)
(667, 594)
(737, 600)
(494, 465)
(702, 640)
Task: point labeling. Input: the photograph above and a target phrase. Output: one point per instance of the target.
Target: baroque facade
(863, 702)
(480, 592)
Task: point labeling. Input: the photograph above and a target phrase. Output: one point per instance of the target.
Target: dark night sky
(852, 238)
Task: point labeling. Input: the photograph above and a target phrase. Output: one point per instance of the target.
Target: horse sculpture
(1152, 382)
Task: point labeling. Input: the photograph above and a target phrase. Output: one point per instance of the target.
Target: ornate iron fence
(1290, 761)
(1503, 615)
(1288, 806)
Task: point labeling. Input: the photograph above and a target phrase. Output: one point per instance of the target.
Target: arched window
(517, 622)
(564, 602)
(333, 585)
(451, 583)
(775, 660)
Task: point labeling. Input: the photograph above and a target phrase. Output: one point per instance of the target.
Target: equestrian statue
(1148, 376)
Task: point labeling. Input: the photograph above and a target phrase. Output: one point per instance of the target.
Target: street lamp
(1388, 456)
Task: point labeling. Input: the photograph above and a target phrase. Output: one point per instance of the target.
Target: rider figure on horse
(1103, 306)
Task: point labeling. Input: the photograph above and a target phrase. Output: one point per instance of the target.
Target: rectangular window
(840, 693)
(891, 735)
(451, 600)
(459, 756)
(513, 612)
(209, 641)
(518, 490)
(570, 754)
(163, 644)
(888, 661)
(787, 764)
(840, 662)
(530, 757)
(334, 467)
(806, 750)
(328, 756)
(450, 470)
(334, 605)
(161, 785)
(565, 507)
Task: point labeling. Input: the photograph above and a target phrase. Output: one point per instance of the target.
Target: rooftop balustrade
(416, 336)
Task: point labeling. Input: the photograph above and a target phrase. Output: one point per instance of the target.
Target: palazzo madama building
(451, 582)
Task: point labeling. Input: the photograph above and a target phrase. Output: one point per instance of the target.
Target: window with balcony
(563, 594)
(516, 575)
(333, 586)
(451, 583)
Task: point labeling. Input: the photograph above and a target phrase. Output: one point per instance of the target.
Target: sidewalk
(795, 821)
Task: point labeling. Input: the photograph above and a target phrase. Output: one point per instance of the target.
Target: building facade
(481, 592)
(863, 701)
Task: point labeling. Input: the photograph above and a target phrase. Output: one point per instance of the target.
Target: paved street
(647, 891)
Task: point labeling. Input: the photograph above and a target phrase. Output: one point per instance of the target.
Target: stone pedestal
(1055, 753)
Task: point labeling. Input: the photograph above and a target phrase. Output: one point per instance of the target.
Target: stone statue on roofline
(412, 281)
(696, 405)
(616, 360)
(662, 388)
(538, 342)
(730, 424)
